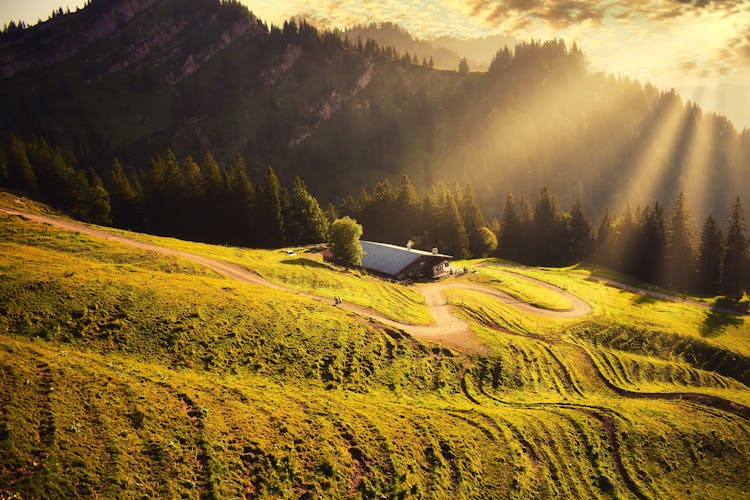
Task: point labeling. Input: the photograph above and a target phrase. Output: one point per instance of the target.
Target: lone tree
(463, 67)
(345, 234)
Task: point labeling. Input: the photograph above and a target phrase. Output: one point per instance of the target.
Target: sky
(701, 48)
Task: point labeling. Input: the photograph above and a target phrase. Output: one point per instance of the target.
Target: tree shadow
(643, 298)
(715, 323)
(730, 304)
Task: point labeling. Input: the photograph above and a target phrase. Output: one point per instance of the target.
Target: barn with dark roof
(401, 263)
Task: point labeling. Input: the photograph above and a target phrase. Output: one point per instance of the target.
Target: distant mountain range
(128, 79)
(444, 51)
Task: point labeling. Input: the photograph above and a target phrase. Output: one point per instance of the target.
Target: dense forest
(203, 202)
(170, 197)
(344, 114)
(653, 244)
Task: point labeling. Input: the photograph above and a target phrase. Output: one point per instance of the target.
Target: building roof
(391, 259)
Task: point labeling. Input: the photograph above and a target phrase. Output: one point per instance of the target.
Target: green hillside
(133, 372)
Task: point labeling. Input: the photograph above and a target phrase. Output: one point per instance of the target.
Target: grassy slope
(305, 271)
(521, 289)
(128, 373)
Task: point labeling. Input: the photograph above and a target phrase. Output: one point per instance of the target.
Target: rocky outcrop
(193, 62)
(283, 64)
(333, 103)
(160, 37)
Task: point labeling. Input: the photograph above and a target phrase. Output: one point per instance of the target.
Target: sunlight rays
(650, 164)
(695, 176)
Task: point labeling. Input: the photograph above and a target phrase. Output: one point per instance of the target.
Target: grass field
(125, 373)
(306, 271)
(521, 289)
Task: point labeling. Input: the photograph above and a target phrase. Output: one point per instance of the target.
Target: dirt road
(447, 328)
(628, 288)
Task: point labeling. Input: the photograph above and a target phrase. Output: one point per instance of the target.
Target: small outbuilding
(402, 263)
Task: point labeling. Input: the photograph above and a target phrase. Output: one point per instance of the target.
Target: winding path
(446, 328)
(628, 288)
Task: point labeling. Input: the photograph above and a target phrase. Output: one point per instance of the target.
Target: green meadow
(126, 373)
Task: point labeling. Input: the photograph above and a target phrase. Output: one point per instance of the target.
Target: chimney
(434, 251)
(409, 244)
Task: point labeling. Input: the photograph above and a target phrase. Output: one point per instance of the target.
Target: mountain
(445, 51)
(390, 34)
(128, 79)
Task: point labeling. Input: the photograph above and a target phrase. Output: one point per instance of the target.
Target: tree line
(447, 218)
(185, 199)
(203, 202)
(645, 243)
(650, 243)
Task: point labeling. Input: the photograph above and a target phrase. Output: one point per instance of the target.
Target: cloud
(522, 13)
(565, 13)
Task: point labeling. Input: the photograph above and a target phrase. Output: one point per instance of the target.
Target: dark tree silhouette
(474, 222)
(710, 256)
(270, 212)
(735, 263)
(307, 223)
(680, 251)
(581, 234)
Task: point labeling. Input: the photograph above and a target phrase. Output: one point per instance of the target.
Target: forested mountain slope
(130, 79)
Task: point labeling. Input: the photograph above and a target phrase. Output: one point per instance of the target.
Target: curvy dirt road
(447, 328)
(628, 288)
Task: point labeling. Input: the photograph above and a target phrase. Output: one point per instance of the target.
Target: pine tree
(407, 205)
(605, 240)
(194, 195)
(735, 262)
(20, 172)
(307, 222)
(709, 258)
(331, 213)
(453, 239)
(626, 243)
(98, 203)
(124, 200)
(214, 199)
(463, 67)
(511, 232)
(581, 234)
(429, 235)
(680, 252)
(175, 201)
(653, 245)
(474, 222)
(270, 216)
(380, 212)
(546, 230)
(241, 203)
